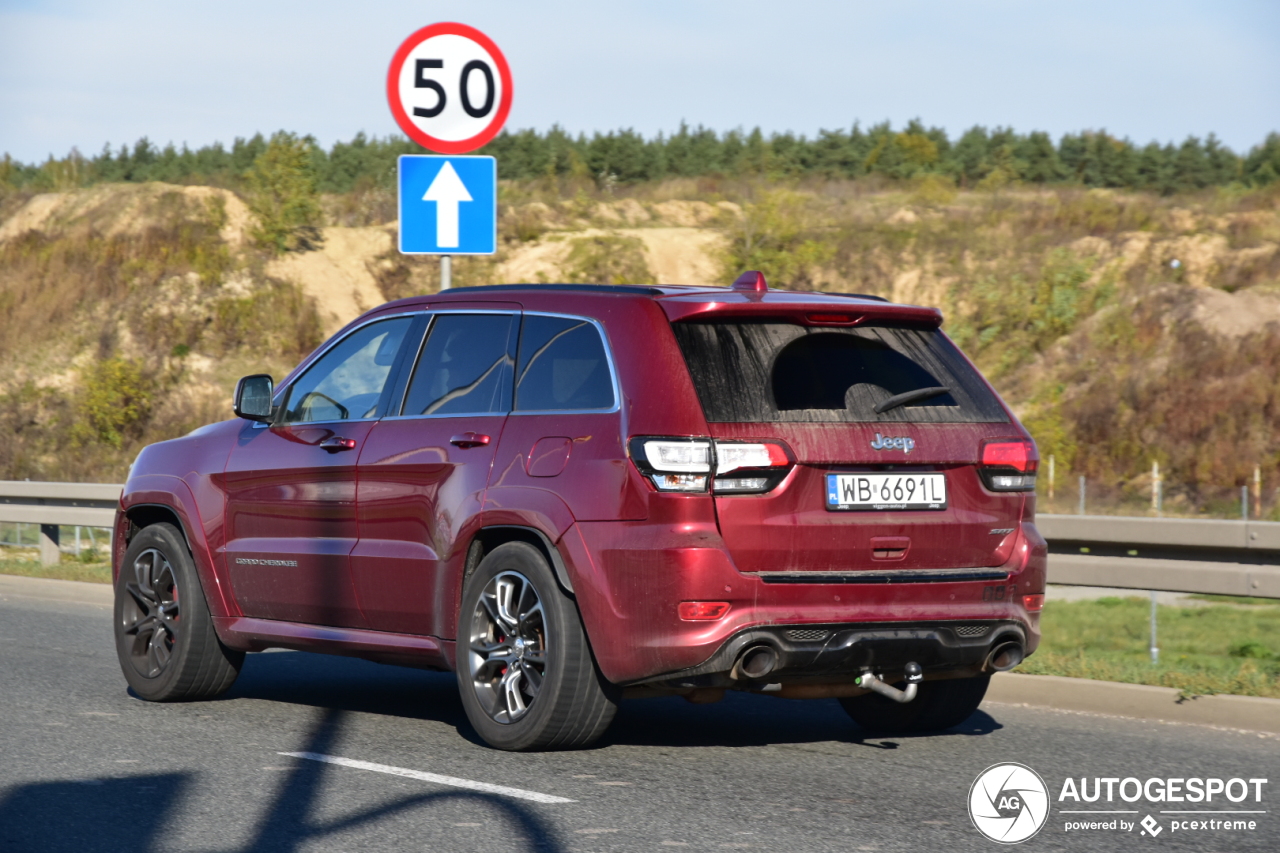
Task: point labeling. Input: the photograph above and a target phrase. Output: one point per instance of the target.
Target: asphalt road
(86, 767)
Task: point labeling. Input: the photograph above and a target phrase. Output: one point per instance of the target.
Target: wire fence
(82, 542)
(1150, 496)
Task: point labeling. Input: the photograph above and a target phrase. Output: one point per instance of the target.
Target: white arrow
(447, 190)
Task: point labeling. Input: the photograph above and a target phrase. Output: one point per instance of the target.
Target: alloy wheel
(508, 647)
(150, 621)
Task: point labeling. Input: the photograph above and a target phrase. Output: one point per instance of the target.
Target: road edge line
(1140, 701)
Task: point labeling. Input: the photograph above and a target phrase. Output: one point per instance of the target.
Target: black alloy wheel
(151, 617)
(164, 634)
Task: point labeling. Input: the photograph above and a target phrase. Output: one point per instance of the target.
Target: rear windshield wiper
(910, 397)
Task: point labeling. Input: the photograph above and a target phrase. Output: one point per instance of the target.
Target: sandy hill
(1123, 328)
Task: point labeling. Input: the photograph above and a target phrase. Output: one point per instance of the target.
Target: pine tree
(283, 195)
(1262, 166)
(1190, 166)
(1117, 161)
(1041, 159)
(1072, 153)
(1223, 165)
(970, 161)
(1153, 170)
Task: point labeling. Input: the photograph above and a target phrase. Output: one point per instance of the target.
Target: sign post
(449, 88)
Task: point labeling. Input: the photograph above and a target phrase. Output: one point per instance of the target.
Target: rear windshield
(753, 372)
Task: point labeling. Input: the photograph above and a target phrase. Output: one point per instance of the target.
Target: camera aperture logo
(1008, 803)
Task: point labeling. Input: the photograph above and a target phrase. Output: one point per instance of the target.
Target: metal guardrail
(1171, 554)
(1179, 533)
(51, 505)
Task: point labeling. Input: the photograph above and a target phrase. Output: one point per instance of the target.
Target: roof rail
(596, 288)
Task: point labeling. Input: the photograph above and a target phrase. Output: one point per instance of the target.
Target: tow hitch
(873, 682)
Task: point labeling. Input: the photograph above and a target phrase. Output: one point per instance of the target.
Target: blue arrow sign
(448, 205)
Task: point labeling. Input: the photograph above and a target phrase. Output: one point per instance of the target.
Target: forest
(977, 158)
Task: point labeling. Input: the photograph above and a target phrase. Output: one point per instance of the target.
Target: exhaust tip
(1005, 656)
(757, 661)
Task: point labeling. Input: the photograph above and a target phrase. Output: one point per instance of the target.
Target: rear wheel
(525, 670)
(164, 633)
(938, 705)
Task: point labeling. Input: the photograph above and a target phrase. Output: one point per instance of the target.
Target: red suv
(572, 493)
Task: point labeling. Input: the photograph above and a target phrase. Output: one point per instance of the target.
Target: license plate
(886, 491)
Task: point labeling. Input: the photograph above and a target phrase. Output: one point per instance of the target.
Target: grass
(1220, 648)
(91, 567)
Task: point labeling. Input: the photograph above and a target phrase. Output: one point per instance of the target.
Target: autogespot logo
(1008, 803)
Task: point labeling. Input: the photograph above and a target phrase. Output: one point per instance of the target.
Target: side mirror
(253, 398)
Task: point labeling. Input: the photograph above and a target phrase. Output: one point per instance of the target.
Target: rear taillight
(749, 467)
(673, 464)
(686, 464)
(1009, 465)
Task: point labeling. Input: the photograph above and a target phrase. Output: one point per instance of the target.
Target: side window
(562, 365)
(465, 367)
(346, 382)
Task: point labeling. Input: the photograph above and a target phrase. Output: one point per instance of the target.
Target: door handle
(470, 439)
(336, 443)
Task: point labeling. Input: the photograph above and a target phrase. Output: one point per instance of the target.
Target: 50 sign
(449, 88)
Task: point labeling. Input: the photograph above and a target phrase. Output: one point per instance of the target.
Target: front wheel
(525, 669)
(938, 705)
(164, 633)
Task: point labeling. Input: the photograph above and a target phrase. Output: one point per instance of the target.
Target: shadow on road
(89, 816)
(349, 684)
(108, 815)
(741, 719)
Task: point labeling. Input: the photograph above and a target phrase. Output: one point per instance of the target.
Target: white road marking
(452, 781)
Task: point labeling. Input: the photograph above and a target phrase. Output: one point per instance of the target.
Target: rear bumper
(836, 653)
(629, 578)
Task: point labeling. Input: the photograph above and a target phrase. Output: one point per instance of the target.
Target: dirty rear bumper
(840, 652)
(629, 577)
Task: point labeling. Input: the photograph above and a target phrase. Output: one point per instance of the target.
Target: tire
(525, 669)
(164, 633)
(938, 705)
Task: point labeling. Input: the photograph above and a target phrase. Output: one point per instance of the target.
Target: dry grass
(115, 333)
(1067, 299)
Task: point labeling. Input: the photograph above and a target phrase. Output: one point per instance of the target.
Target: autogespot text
(1173, 790)
(1219, 805)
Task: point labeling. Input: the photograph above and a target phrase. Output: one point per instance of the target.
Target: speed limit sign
(449, 88)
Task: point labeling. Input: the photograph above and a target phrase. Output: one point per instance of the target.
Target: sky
(85, 73)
